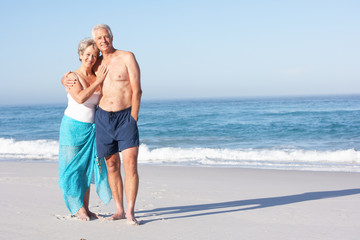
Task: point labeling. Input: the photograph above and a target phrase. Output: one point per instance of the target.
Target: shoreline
(177, 202)
(342, 168)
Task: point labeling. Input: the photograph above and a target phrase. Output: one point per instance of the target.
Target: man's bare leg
(130, 156)
(116, 185)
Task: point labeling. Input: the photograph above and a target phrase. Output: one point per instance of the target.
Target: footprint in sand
(64, 218)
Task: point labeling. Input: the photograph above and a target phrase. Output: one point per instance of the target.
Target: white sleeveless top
(84, 112)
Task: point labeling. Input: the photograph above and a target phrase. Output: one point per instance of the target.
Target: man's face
(103, 40)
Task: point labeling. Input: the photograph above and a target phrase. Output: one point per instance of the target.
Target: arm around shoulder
(80, 95)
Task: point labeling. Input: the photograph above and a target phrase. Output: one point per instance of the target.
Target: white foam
(339, 160)
(29, 150)
(180, 154)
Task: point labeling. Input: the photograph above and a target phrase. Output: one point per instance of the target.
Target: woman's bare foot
(92, 215)
(82, 215)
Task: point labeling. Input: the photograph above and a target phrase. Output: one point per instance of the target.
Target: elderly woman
(78, 163)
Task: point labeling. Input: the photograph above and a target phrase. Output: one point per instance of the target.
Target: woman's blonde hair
(83, 44)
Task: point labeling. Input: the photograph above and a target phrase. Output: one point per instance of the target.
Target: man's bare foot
(82, 215)
(132, 220)
(117, 216)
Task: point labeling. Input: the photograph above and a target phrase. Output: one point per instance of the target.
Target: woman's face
(89, 56)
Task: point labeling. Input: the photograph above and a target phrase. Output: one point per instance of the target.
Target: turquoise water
(307, 133)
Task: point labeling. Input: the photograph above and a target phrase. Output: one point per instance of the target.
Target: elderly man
(116, 120)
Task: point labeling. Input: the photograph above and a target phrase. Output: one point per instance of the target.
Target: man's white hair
(101, 26)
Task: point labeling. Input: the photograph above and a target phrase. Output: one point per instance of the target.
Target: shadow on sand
(240, 205)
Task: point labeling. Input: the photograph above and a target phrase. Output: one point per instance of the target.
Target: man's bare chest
(117, 74)
(117, 70)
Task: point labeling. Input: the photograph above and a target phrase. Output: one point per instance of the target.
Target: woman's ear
(80, 56)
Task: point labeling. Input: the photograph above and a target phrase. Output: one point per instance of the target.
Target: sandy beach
(188, 203)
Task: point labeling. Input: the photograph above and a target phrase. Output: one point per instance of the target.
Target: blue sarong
(78, 162)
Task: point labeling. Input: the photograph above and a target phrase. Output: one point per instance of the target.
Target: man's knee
(113, 163)
(131, 159)
(132, 169)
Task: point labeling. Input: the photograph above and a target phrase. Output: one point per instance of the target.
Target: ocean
(316, 133)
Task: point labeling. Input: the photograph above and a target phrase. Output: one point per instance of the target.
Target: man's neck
(108, 54)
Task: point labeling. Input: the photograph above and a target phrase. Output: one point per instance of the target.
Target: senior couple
(104, 92)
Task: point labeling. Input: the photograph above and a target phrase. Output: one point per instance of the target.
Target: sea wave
(337, 160)
(298, 159)
(41, 149)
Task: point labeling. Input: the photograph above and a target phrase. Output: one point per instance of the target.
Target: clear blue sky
(187, 49)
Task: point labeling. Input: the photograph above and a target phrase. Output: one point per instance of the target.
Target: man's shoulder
(126, 57)
(123, 53)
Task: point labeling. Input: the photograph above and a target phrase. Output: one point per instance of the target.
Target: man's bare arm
(68, 81)
(134, 78)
